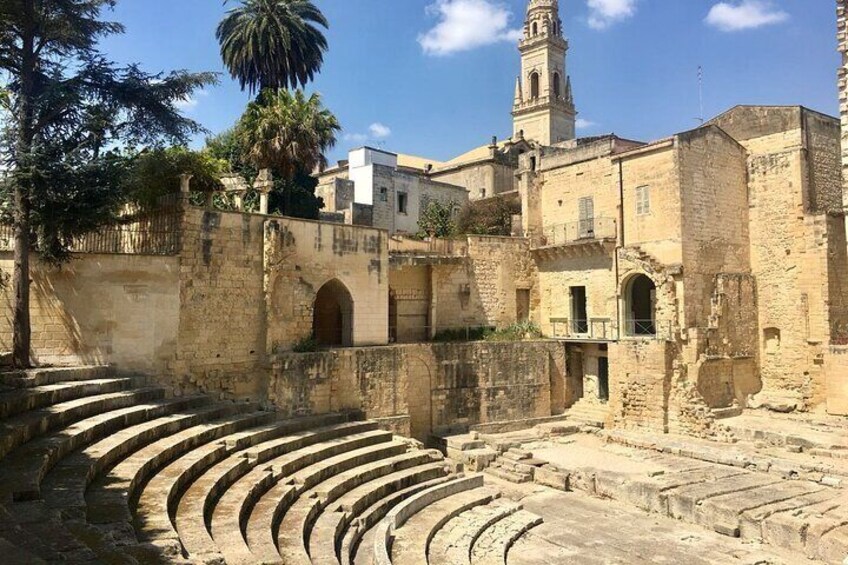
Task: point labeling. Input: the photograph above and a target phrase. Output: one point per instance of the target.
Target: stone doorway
(332, 318)
(640, 307)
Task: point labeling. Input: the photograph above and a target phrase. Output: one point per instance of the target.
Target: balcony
(602, 330)
(595, 235)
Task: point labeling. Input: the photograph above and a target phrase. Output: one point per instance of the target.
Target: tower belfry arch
(544, 107)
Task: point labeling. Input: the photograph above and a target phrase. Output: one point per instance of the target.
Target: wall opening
(332, 316)
(522, 305)
(579, 310)
(534, 86)
(535, 29)
(640, 306)
(603, 379)
(557, 87)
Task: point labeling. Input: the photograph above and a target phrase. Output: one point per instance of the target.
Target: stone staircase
(589, 413)
(515, 465)
(99, 468)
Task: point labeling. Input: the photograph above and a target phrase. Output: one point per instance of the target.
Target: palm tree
(273, 43)
(287, 132)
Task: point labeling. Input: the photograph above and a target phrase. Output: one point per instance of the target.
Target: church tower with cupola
(544, 105)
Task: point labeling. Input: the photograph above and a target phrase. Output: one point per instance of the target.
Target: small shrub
(463, 334)
(516, 332)
(306, 345)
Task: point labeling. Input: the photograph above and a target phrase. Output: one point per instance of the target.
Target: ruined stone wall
(302, 256)
(823, 144)
(221, 339)
(482, 291)
(714, 206)
(641, 388)
(419, 389)
(842, 38)
(121, 309)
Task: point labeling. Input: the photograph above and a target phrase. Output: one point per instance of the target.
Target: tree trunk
(22, 340)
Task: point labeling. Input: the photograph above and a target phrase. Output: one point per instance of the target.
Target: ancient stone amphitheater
(100, 468)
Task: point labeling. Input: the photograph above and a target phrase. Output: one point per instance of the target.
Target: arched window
(534, 86)
(535, 29)
(554, 28)
(332, 316)
(557, 87)
(640, 306)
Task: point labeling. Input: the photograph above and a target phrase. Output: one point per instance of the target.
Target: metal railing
(593, 329)
(408, 246)
(604, 329)
(153, 234)
(593, 229)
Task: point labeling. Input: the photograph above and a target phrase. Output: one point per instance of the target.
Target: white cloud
(585, 124)
(190, 103)
(745, 14)
(356, 137)
(467, 24)
(604, 13)
(379, 131)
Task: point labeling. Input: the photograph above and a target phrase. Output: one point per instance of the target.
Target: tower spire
(544, 106)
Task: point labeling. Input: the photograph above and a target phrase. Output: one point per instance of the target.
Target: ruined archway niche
(771, 339)
(640, 306)
(332, 316)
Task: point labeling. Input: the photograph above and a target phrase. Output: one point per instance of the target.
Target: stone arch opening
(640, 306)
(332, 316)
(535, 29)
(557, 87)
(534, 85)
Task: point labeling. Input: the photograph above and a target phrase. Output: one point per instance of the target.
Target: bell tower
(544, 105)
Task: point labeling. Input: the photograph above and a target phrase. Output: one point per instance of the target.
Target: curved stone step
(231, 514)
(29, 378)
(142, 488)
(493, 545)
(384, 532)
(348, 471)
(19, 429)
(361, 532)
(18, 400)
(411, 545)
(22, 471)
(291, 475)
(196, 507)
(453, 542)
(63, 488)
(325, 540)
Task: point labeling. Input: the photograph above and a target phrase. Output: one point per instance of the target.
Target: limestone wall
(419, 389)
(302, 256)
(639, 396)
(842, 38)
(483, 290)
(121, 309)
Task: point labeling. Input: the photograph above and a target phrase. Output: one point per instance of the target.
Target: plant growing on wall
(438, 219)
(488, 217)
(67, 106)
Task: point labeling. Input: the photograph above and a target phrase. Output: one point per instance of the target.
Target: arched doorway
(332, 316)
(640, 306)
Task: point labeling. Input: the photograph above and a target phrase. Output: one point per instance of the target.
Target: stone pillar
(185, 184)
(263, 184)
(237, 186)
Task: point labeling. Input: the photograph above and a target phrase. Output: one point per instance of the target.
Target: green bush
(306, 345)
(516, 332)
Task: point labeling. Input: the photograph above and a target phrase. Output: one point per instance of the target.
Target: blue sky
(436, 77)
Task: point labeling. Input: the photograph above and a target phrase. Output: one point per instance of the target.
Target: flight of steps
(515, 465)
(590, 413)
(98, 468)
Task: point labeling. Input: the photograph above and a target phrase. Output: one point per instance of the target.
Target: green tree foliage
(66, 106)
(438, 219)
(155, 173)
(488, 217)
(273, 44)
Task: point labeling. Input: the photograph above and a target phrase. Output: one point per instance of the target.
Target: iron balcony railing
(588, 230)
(604, 329)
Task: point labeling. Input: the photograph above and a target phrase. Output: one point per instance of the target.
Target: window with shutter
(586, 228)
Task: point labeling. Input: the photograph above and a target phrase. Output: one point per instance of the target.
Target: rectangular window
(384, 195)
(579, 311)
(586, 227)
(643, 200)
(402, 202)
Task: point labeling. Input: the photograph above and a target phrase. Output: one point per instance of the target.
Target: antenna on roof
(700, 117)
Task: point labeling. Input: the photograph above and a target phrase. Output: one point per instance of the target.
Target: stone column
(263, 184)
(237, 186)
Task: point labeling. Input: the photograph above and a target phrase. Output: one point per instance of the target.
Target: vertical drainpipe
(619, 244)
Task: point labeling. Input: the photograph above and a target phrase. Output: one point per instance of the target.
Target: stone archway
(640, 306)
(332, 316)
